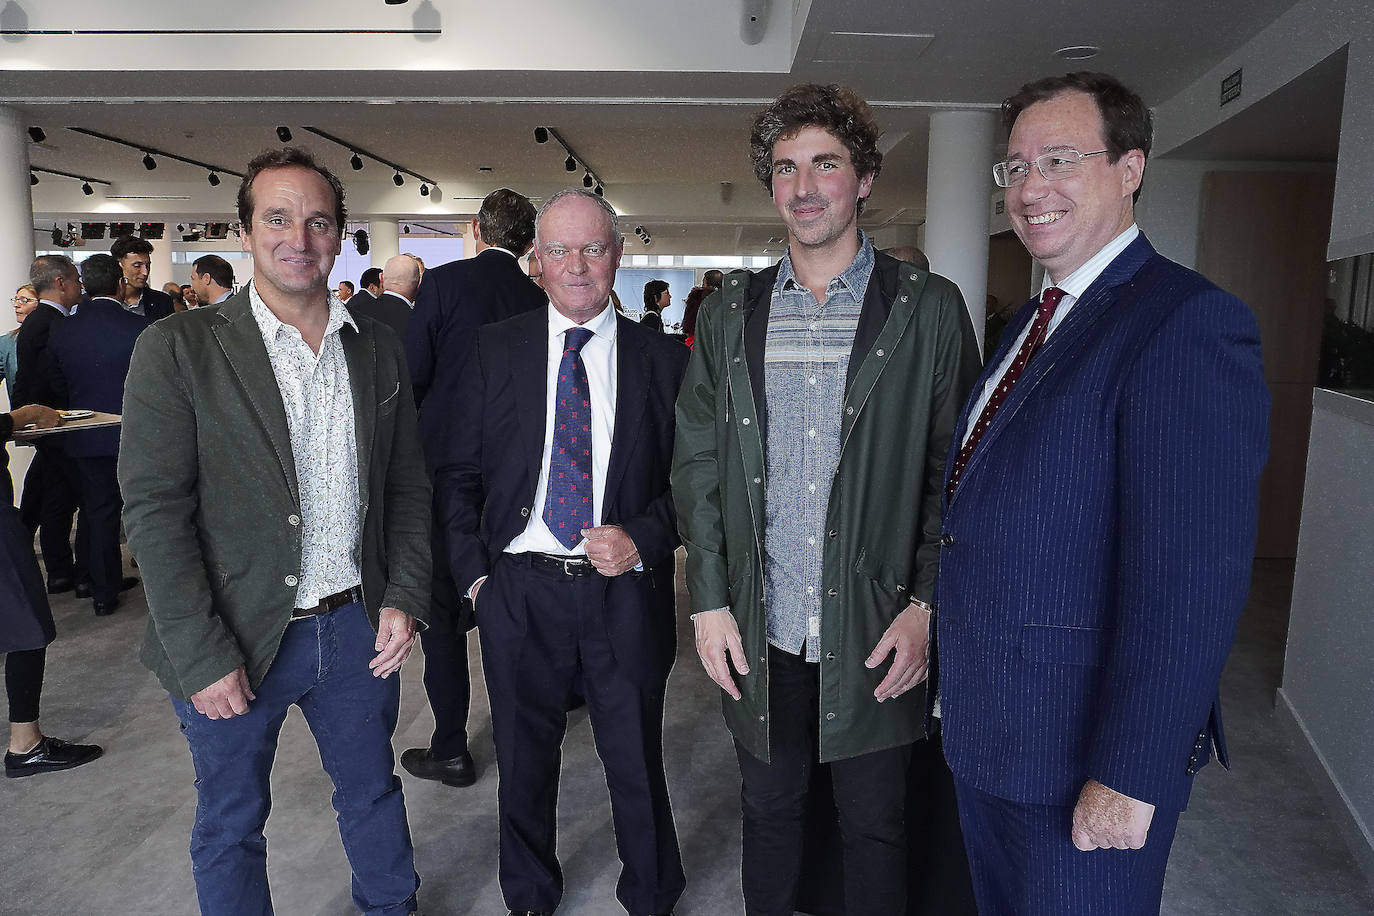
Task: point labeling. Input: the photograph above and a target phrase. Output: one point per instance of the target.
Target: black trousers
(544, 644)
(55, 475)
(100, 503)
(24, 683)
(447, 679)
(870, 796)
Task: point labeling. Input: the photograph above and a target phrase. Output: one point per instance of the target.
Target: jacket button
(745, 421)
(734, 282)
(913, 276)
(758, 480)
(947, 540)
(292, 581)
(878, 352)
(831, 592)
(736, 359)
(525, 512)
(829, 715)
(830, 656)
(293, 520)
(904, 298)
(833, 533)
(762, 719)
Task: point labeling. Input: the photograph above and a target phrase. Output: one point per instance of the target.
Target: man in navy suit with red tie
(1099, 523)
(552, 487)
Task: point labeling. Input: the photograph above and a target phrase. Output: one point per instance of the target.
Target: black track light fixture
(56, 235)
(149, 162)
(398, 179)
(284, 134)
(587, 180)
(33, 179)
(639, 230)
(424, 190)
(37, 134)
(213, 178)
(396, 2)
(600, 191)
(541, 135)
(360, 241)
(356, 162)
(87, 189)
(406, 228)
(570, 164)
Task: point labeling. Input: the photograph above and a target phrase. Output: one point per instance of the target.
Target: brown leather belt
(330, 603)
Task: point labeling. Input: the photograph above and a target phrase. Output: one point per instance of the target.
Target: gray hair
(595, 198)
(47, 268)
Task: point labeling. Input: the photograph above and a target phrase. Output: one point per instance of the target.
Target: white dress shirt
(598, 358)
(318, 397)
(65, 312)
(1074, 285)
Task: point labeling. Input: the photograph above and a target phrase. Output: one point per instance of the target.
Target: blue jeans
(321, 667)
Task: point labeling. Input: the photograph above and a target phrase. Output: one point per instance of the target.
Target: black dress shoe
(82, 590)
(51, 755)
(59, 585)
(457, 771)
(127, 583)
(525, 912)
(105, 608)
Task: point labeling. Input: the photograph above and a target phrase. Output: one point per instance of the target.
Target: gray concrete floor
(110, 838)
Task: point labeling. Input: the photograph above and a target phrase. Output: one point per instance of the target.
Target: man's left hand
(611, 550)
(909, 637)
(395, 639)
(1106, 819)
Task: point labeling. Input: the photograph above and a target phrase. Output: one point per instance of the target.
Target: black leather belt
(329, 603)
(568, 566)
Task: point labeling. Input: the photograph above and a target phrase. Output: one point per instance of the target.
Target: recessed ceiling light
(1078, 52)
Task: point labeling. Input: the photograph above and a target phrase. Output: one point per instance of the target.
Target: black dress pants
(98, 497)
(24, 683)
(870, 796)
(544, 642)
(57, 504)
(447, 679)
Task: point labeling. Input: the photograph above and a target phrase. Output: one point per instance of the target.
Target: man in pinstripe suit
(1100, 514)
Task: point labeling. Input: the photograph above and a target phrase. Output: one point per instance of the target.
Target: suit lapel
(241, 342)
(360, 352)
(529, 365)
(633, 372)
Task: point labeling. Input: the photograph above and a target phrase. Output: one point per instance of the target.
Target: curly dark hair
(1126, 121)
(281, 158)
(838, 110)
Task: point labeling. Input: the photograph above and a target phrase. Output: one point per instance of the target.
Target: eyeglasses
(23, 299)
(1052, 166)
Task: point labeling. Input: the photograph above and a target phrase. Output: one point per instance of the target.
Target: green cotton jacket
(211, 501)
(913, 362)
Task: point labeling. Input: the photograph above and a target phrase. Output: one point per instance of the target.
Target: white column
(160, 261)
(16, 209)
(385, 236)
(958, 187)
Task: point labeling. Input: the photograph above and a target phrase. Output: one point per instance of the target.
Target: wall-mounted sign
(1230, 88)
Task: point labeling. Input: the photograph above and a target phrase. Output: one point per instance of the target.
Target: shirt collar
(392, 292)
(118, 302)
(603, 325)
(225, 295)
(66, 312)
(269, 325)
(1077, 283)
(854, 278)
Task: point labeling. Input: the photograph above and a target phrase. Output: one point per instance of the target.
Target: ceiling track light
(37, 134)
(356, 162)
(149, 162)
(213, 179)
(424, 190)
(356, 154)
(398, 179)
(33, 179)
(148, 152)
(541, 135)
(87, 189)
(284, 134)
(573, 162)
(600, 191)
(587, 180)
(570, 164)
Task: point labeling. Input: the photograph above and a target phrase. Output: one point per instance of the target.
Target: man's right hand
(717, 634)
(35, 416)
(226, 697)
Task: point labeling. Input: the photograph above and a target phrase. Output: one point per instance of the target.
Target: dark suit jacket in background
(490, 463)
(89, 360)
(1097, 551)
(33, 381)
(156, 304)
(388, 308)
(210, 491)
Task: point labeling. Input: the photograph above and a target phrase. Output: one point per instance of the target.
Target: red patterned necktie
(568, 499)
(1039, 329)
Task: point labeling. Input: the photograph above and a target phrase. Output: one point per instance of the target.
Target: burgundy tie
(1039, 328)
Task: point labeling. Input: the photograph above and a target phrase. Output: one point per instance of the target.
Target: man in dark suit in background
(1100, 515)
(369, 287)
(212, 280)
(90, 355)
(553, 488)
(134, 255)
(400, 278)
(452, 303)
(58, 286)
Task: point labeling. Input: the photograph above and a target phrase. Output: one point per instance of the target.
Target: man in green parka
(812, 431)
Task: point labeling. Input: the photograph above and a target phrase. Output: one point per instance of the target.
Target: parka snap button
(831, 592)
(879, 352)
(293, 520)
(736, 359)
(849, 410)
(830, 656)
(904, 298)
(947, 540)
(525, 512)
(829, 715)
(292, 581)
(758, 480)
(833, 533)
(745, 421)
(913, 276)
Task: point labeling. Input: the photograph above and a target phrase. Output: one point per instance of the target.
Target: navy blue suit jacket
(89, 360)
(1097, 552)
(489, 467)
(388, 308)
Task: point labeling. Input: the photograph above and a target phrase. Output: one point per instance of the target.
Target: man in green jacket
(277, 502)
(812, 430)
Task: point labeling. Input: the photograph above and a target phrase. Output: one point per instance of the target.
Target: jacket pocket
(388, 404)
(883, 575)
(1065, 645)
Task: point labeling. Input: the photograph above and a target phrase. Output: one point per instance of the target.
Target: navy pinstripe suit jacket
(1097, 551)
